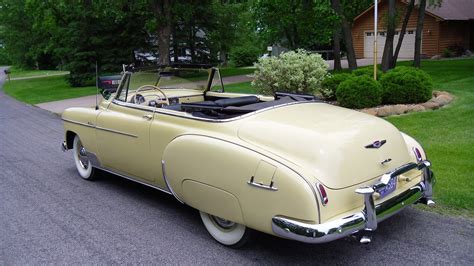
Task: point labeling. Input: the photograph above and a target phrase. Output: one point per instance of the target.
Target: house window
(397, 32)
(410, 32)
(382, 33)
(368, 34)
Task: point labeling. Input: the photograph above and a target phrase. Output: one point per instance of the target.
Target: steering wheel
(164, 99)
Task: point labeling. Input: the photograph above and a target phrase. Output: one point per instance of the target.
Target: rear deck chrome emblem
(376, 144)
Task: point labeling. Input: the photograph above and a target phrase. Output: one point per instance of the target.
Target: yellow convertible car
(288, 165)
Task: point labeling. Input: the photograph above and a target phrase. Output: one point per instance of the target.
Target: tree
(336, 38)
(419, 33)
(163, 17)
(392, 22)
(403, 30)
(419, 28)
(294, 23)
(347, 34)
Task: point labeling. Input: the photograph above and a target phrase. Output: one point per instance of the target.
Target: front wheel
(83, 164)
(224, 231)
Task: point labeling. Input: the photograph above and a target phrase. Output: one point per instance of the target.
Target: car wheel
(83, 164)
(224, 231)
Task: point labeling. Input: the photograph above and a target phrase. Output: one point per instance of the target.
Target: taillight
(417, 153)
(322, 194)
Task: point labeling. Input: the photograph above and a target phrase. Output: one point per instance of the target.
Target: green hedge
(330, 83)
(245, 55)
(406, 85)
(359, 92)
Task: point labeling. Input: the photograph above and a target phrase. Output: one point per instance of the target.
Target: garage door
(406, 51)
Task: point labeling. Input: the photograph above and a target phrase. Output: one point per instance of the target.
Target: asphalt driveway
(49, 215)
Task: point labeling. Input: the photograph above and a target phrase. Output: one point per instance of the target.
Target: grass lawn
(46, 89)
(235, 71)
(21, 73)
(447, 134)
(243, 87)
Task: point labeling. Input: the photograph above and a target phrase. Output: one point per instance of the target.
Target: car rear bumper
(366, 219)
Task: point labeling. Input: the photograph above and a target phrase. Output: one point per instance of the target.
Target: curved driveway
(49, 215)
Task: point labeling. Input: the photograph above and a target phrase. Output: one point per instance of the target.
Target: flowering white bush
(297, 72)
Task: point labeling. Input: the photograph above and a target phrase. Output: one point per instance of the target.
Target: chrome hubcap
(223, 223)
(83, 160)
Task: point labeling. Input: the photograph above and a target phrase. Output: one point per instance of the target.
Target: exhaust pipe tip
(430, 203)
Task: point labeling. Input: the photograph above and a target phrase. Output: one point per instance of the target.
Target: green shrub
(81, 80)
(448, 52)
(330, 83)
(296, 71)
(406, 85)
(367, 71)
(4, 58)
(359, 92)
(245, 55)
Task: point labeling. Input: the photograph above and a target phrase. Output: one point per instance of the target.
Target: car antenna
(96, 86)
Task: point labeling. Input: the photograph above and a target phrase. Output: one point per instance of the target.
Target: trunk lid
(328, 141)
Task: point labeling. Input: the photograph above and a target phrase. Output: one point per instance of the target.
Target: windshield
(171, 79)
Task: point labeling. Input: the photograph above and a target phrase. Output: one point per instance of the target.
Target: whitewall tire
(225, 232)
(83, 164)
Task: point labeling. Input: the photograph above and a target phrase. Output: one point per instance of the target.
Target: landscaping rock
(370, 111)
(443, 100)
(416, 108)
(386, 111)
(436, 57)
(440, 98)
(400, 109)
(431, 105)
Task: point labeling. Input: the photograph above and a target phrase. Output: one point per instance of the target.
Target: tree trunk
(419, 33)
(175, 46)
(163, 14)
(387, 56)
(402, 33)
(346, 30)
(223, 57)
(337, 49)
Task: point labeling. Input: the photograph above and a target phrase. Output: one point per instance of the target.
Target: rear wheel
(83, 164)
(226, 232)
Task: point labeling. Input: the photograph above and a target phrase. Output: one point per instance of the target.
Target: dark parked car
(109, 83)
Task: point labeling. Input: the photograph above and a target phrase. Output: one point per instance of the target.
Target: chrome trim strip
(133, 179)
(78, 123)
(167, 183)
(116, 131)
(367, 219)
(100, 128)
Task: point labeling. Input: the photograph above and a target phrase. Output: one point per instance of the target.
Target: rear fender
(213, 176)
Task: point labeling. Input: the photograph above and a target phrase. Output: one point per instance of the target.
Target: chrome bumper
(366, 219)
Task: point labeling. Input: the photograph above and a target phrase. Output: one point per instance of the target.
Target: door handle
(148, 117)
